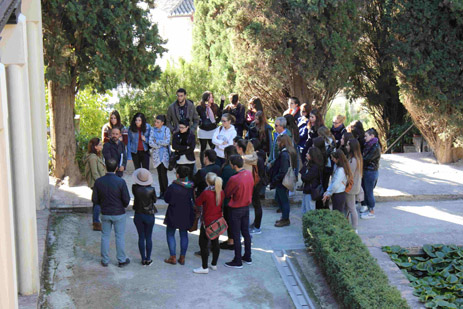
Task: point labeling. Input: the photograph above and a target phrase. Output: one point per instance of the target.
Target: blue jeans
(307, 203)
(96, 213)
(281, 195)
(119, 230)
(144, 224)
(239, 220)
(369, 180)
(170, 234)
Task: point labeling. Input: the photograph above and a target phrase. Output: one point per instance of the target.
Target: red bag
(216, 228)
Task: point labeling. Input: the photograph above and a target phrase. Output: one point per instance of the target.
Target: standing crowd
(246, 154)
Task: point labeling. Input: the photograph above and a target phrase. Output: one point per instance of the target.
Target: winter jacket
(116, 151)
(337, 133)
(132, 146)
(261, 167)
(173, 116)
(160, 142)
(279, 168)
(249, 160)
(266, 142)
(371, 156)
(94, 168)
(180, 213)
(221, 135)
(144, 199)
(204, 122)
(312, 176)
(338, 181)
(112, 194)
(184, 144)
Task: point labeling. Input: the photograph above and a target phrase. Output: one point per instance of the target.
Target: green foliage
(352, 112)
(101, 43)
(437, 276)
(352, 273)
(156, 98)
(429, 49)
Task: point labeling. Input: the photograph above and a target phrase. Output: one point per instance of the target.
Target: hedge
(352, 273)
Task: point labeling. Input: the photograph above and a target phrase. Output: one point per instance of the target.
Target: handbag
(318, 191)
(216, 228)
(289, 181)
(173, 157)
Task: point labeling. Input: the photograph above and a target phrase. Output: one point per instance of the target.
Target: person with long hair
(255, 105)
(371, 157)
(315, 122)
(246, 150)
(237, 110)
(94, 169)
(159, 141)
(184, 143)
(114, 122)
(354, 155)
(209, 115)
(341, 176)
(311, 175)
(287, 158)
(255, 228)
(294, 108)
(319, 143)
(138, 146)
(209, 204)
(291, 125)
(344, 139)
(180, 214)
(338, 128)
(261, 130)
(356, 128)
(330, 145)
(224, 136)
(227, 172)
(143, 206)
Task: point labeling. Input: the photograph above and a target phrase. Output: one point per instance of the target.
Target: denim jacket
(133, 141)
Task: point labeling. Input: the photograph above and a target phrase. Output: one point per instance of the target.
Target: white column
(13, 53)
(9, 290)
(32, 10)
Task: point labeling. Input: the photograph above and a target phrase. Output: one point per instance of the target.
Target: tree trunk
(433, 126)
(63, 140)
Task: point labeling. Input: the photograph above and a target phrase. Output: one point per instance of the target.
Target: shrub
(352, 273)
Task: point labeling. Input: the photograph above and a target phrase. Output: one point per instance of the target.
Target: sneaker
(282, 222)
(127, 262)
(368, 215)
(247, 261)
(148, 262)
(255, 231)
(363, 209)
(234, 264)
(201, 270)
(213, 267)
(104, 264)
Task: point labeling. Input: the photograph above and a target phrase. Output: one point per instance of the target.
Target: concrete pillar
(13, 53)
(9, 291)
(32, 10)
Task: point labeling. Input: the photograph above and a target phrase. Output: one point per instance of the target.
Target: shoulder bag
(289, 181)
(216, 228)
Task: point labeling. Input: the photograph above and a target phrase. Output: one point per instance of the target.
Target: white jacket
(338, 181)
(223, 135)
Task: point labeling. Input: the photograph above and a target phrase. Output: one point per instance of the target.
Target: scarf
(210, 114)
(210, 188)
(187, 184)
(294, 112)
(372, 142)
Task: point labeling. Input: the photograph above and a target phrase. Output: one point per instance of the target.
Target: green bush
(352, 273)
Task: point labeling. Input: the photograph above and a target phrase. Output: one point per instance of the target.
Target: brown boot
(181, 260)
(282, 222)
(96, 226)
(171, 260)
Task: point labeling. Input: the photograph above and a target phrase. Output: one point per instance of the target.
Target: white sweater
(223, 135)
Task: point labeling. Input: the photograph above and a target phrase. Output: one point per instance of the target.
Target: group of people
(246, 154)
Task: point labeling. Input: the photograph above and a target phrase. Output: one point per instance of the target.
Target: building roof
(176, 7)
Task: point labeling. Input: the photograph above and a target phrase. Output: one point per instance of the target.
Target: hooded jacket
(94, 168)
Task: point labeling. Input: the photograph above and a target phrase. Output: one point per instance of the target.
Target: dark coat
(279, 169)
(112, 150)
(239, 112)
(200, 177)
(371, 156)
(267, 141)
(144, 199)
(180, 213)
(204, 122)
(261, 156)
(112, 194)
(312, 176)
(337, 133)
(184, 147)
(312, 134)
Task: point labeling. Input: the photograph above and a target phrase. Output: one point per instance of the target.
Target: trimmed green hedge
(352, 273)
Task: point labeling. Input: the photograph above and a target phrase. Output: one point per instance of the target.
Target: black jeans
(141, 159)
(203, 245)
(203, 143)
(162, 177)
(257, 205)
(326, 181)
(339, 202)
(240, 223)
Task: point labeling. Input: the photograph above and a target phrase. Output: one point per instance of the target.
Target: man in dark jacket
(210, 167)
(115, 149)
(112, 194)
(182, 109)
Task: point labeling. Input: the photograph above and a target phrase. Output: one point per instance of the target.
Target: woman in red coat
(210, 201)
